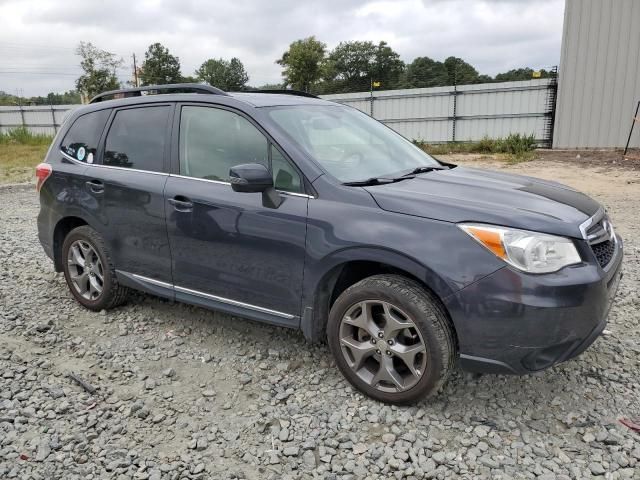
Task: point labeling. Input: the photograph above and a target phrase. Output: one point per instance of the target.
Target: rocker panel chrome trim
(198, 293)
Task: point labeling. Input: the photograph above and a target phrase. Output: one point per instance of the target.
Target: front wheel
(89, 270)
(391, 339)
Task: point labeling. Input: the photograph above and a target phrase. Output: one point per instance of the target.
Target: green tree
(520, 74)
(99, 68)
(425, 72)
(302, 63)
(65, 98)
(228, 75)
(387, 67)
(352, 66)
(159, 66)
(460, 72)
(271, 86)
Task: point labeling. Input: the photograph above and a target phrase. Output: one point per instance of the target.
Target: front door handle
(181, 203)
(96, 186)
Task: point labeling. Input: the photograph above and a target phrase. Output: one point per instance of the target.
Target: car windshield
(349, 144)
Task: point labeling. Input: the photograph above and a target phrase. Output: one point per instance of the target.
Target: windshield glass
(349, 144)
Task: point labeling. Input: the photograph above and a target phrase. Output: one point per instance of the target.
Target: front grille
(604, 252)
(602, 240)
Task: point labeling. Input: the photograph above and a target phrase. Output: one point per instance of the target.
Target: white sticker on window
(81, 153)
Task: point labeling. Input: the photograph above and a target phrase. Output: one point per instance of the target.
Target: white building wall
(599, 74)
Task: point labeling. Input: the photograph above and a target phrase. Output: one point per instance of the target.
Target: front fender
(346, 227)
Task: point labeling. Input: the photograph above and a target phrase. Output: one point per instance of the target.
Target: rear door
(128, 184)
(228, 247)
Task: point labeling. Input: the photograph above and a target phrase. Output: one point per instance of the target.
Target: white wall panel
(492, 109)
(599, 74)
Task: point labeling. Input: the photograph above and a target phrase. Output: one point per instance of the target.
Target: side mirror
(250, 178)
(255, 178)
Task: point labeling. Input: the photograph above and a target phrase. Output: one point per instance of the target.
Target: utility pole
(371, 98)
(135, 70)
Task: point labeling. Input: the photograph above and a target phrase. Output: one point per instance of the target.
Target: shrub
(519, 147)
(517, 144)
(486, 145)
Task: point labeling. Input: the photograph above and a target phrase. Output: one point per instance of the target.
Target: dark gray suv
(303, 213)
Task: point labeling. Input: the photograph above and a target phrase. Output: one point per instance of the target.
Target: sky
(38, 37)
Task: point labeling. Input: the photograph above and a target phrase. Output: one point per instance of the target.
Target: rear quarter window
(81, 141)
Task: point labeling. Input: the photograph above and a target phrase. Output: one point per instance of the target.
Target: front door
(227, 247)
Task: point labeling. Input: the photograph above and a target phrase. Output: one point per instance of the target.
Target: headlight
(527, 251)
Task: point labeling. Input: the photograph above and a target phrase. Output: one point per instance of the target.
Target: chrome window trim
(295, 194)
(209, 296)
(97, 165)
(220, 182)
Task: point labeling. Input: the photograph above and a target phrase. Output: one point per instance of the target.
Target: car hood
(463, 194)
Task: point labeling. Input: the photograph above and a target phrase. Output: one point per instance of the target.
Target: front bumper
(512, 322)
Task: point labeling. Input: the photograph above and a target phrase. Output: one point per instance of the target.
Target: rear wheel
(391, 339)
(89, 270)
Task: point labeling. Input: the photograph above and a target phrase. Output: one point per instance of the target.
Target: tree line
(356, 66)
(307, 65)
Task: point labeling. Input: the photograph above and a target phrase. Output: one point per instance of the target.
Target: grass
(514, 148)
(20, 152)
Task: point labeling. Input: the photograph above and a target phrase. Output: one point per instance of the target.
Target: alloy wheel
(383, 346)
(85, 270)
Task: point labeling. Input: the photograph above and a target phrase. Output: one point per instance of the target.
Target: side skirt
(206, 300)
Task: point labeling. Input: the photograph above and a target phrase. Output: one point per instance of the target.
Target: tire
(112, 294)
(406, 303)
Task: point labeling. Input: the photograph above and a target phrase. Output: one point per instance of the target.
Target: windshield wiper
(417, 170)
(384, 180)
(375, 181)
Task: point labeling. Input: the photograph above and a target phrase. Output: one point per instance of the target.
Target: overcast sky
(39, 36)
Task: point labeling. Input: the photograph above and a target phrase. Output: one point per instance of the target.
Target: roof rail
(169, 88)
(284, 91)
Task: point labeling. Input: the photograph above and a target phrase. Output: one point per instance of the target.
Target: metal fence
(434, 115)
(464, 112)
(45, 119)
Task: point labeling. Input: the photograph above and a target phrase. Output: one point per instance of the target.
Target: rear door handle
(181, 203)
(96, 186)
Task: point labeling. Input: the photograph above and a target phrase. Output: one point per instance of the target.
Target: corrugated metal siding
(599, 75)
(491, 109)
(40, 119)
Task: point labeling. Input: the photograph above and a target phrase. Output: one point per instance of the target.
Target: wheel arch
(60, 231)
(341, 270)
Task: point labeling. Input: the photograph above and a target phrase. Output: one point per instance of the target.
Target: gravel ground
(187, 393)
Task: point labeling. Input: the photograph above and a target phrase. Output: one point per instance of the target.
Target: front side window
(348, 144)
(81, 141)
(213, 140)
(137, 139)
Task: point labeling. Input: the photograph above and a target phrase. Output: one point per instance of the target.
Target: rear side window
(214, 140)
(137, 138)
(81, 141)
